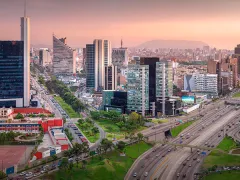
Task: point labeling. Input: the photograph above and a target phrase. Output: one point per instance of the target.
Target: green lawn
(88, 135)
(111, 167)
(177, 130)
(221, 159)
(67, 107)
(227, 175)
(112, 129)
(236, 95)
(136, 150)
(157, 121)
(227, 144)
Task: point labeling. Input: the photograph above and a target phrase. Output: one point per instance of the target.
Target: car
(157, 155)
(206, 143)
(198, 153)
(184, 164)
(189, 165)
(143, 166)
(135, 174)
(198, 150)
(194, 158)
(184, 175)
(188, 159)
(154, 150)
(169, 150)
(29, 174)
(219, 135)
(22, 173)
(178, 174)
(198, 160)
(163, 155)
(146, 174)
(212, 146)
(209, 146)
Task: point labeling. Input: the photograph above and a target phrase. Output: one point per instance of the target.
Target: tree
(19, 116)
(133, 117)
(80, 121)
(131, 136)
(95, 130)
(64, 163)
(54, 157)
(121, 145)
(140, 136)
(2, 175)
(106, 144)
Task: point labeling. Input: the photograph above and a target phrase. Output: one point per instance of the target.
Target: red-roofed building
(25, 111)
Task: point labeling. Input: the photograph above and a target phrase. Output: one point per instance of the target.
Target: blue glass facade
(11, 71)
(90, 66)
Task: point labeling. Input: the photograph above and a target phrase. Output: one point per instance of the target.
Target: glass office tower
(11, 74)
(138, 88)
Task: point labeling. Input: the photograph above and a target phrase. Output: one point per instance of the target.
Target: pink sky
(215, 22)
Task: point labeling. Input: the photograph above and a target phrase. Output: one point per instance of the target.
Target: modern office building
(64, 57)
(203, 83)
(98, 56)
(115, 100)
(102, 59)
(90, 66)
(110, 77)
(12, 71)
(25, 37)
(138, 87)
(119, 57)
(164, 84)
(44, 57)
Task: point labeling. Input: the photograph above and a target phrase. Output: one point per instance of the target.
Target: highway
(162, 164)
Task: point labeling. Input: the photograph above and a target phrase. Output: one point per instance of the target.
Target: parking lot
(77, 135)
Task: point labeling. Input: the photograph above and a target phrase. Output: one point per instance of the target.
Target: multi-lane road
(163, 162)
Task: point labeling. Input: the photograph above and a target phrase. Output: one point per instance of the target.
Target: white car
(146, 174)
(22, 173)
(135, 174)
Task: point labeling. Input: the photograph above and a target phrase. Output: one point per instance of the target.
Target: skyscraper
(44, 57)
(25, 37)
(90, 66)
(138, 87)
(12, 74)
(102, 59)
(110, 77)
(64, 57)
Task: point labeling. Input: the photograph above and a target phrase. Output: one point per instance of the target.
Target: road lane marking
(159, 166)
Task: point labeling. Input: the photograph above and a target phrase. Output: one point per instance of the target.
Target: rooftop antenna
(121, 43)
(25, 8)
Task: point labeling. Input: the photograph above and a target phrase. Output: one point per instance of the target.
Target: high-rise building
(204, 83)
(164, 84)
(110, 77)
(237, 55)
(25, 37)
(90, 66)
(12, 74)
(137, 89)
(44, 57)
(98, 56)
(102, 59)
(119, 57)
(64, 57)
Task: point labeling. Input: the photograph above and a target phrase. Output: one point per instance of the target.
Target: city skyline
(213, 22)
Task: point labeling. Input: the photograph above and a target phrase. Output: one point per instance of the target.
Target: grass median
(227, 144)
(67, 108)
(227, 175)
(236, 95)
(177, 130)
(87, 132)
(110, 166)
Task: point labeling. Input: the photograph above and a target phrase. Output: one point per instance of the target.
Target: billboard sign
(188, 99)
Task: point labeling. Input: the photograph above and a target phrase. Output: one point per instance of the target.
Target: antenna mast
(25, 8)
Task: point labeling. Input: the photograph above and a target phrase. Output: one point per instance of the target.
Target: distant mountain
(41, 46)
(174, 44)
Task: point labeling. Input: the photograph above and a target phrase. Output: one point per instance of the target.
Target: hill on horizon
(174, 44)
